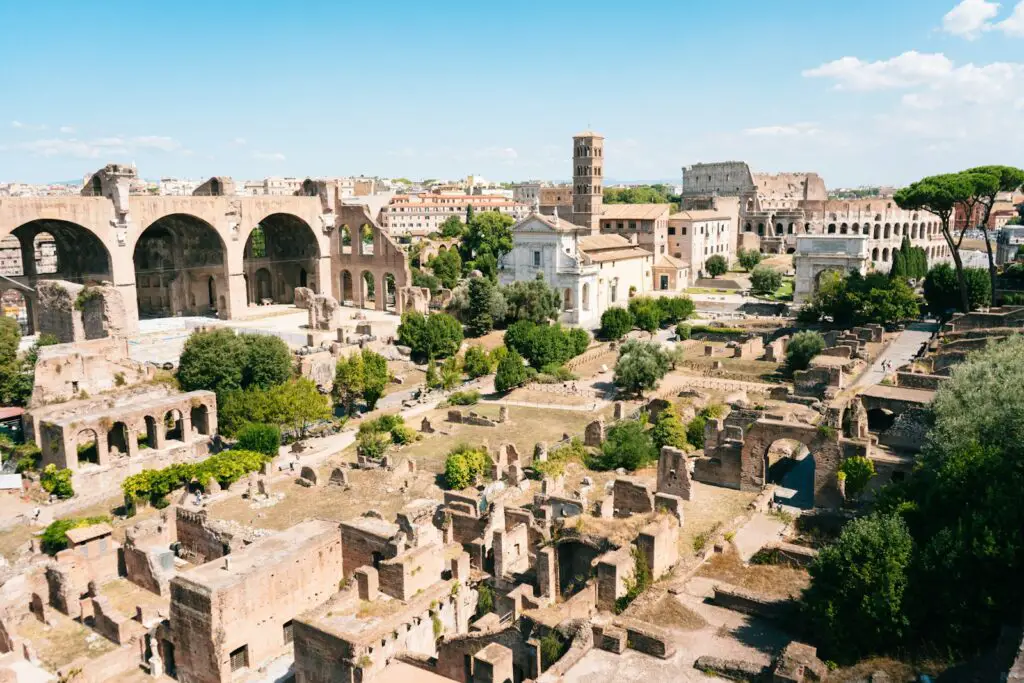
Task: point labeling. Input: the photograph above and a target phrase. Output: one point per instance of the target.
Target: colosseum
(774, 209)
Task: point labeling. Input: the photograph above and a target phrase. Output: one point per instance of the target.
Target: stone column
(380, 296)
(324, 276)
(234, 271)
(122, 274)
(186, 424)
(102, 448)
(159, 433)
(133, 440)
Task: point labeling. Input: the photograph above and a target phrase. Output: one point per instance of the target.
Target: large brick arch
(822, 442)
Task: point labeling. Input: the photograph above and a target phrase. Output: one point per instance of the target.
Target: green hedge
(262, 438)
(226, 467)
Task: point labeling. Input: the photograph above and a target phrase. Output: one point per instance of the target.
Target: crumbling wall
(55, 309)
(103, 313)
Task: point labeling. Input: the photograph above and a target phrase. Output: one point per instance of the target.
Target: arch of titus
(212, 252)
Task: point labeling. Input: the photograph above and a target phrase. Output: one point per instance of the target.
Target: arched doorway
(176, 258)
(117, 439)
(264, 286)
(567, 300)
(150, 438)
(575, 565)
(345, 236)
(390, 292)
(88, 447)
(15, 305)
(44, 248)
(347, 291)
(285, 246)
(61, 250)
(174, 426)
(200, 415)
(790, 466)
(366, 235)
(369, 293)
(880, 420)
(586, 296)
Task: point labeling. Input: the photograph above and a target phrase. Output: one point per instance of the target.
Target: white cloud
(1014, 24)
(908, 69)
(506, 154)
(239, 141)
(970, 18)
(67, 129)
(27, 126)
(268, 156)
(784, 131)
(98, 148)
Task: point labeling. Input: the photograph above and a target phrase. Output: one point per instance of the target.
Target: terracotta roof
(699, 215)
(8, 413)
(667, 261)
(605, 241)
(636, 212)
(617, 254)
(559, 224)
(87, 533)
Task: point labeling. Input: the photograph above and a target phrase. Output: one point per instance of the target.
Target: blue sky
(862, 92)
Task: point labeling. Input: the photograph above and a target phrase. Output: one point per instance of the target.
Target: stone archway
(175, 257)
(368, 290)
(285, 247)
(822, 443)
(347, 297)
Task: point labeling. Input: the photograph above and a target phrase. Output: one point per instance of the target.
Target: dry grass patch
(668, 612)
(64, 642)
(774, 580)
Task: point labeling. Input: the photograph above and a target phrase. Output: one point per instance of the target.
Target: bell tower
(587, 174)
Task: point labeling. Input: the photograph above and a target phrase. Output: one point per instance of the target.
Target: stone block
(339, 477)
(674, 473)
(426, 427)
(367, 583)
(455, 416)
(593, 435)
(303, 296)
(324, 313)
(631, 497)
(309, 475)
(460, 567)
(540, 451)
(670, 504)
(619, 411)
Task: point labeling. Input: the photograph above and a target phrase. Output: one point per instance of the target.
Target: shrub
(438, 335)
(857, 471)
(464, 398)
(403, 434)
(683, 332)
(551, 649)
(669, 430)
(765, 280)
(695, 431)
(511, 372)
(748, 258)
(636, 584)
(372, 444)
(485, 600)
(579, 340)
(802, 348)
(464, 466)
(55, 536)
(57, 481)
(545, 344)
(615, 323)
(627, 445)
(476, 363)
(558, 457)
(225, 467)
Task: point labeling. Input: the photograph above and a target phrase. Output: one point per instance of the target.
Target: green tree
(260, 438)
(10, 338)
(627, 445)
(640, 366)
(669, 430)
(646, 313)
(214, 360)
(940, 195)
(695, 430)
(511, 372)
(432, 380)
(941, 291)
(451, 373)
(675, 308)
(488, 233)
(349, 382)
(57, 481)
(447, 267)
(986, 184)
(802, 348)
(268, 361)
(749, 258)
(452, 227)
(482, 293)
(375, 377)
(765, 280)
(428, 280)
(464, 466)
(469, 214)
(299, 404)
(438, 335)
(855, 603)
(531, 300)
(476, 363)
(615, 323)
(716, 265)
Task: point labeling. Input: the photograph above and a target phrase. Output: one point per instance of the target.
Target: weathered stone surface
(303, 295)
(631, 497)
(674, 473)
(308, 474)
(593, 435)
(324, 313)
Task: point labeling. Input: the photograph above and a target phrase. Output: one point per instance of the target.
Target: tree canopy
(855, 299)
(942, 292)
(640, 366)
(532, 300)
(716, 265)
(488, 234)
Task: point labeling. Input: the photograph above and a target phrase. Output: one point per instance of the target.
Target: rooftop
(88, 533)
(699, 215)
(921, 396)
(636, 212)
(283, 548)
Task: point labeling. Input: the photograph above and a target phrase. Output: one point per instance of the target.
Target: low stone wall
(732, 669)
(112, 666)
(646, 638)
(914, 380)
(755, 604)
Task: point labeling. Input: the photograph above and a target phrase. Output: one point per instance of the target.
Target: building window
(632, 225)
(287, 631)
(671, 231)
(684, 231)
(240, 658)
(536, 259)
